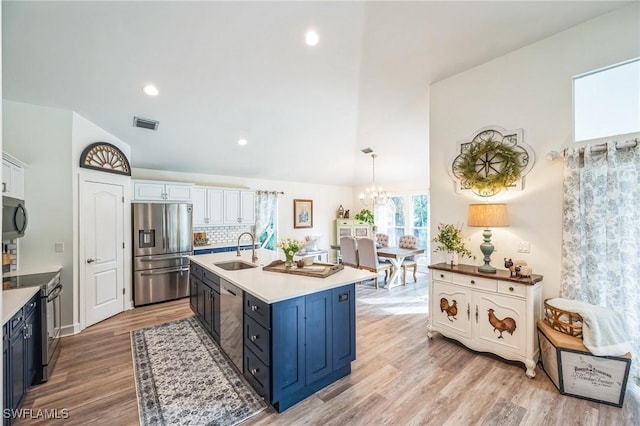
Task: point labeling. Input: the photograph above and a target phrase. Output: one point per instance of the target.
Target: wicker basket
(563, 321)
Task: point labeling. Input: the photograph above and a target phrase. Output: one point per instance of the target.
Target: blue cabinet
(204, 299)
(20, 354)
(311, 343)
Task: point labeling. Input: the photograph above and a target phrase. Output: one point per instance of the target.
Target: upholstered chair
(349, 251)
(382, 240)
(410, 242)
(368, 259)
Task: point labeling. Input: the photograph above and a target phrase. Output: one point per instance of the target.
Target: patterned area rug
(183, 378)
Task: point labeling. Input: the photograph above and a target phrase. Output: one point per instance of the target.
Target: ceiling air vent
(145, 123)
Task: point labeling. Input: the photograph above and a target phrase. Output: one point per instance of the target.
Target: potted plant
(451, 241)
(365, 215)
(290, 247)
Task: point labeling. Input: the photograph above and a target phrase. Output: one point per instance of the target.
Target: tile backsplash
(224, 234)
(12, 246)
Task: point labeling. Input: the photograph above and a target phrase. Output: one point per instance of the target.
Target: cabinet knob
(441, 275)
(511, 288)
(473, 282)
(254, 308)
(253, 371)
(253, 338)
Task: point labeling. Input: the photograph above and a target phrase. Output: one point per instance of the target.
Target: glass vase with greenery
(451, 240)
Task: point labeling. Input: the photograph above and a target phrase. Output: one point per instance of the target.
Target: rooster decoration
(508, 324)
(451, 310)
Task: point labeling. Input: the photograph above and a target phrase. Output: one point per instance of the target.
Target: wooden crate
(577, 372)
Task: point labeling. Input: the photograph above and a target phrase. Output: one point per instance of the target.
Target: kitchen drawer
(15, 324)
(257, 374)
(211, 279)
(258, 310)
(442, 275)
(196, 270)
(512, 288)
(475, 282)
(257, 339)
(31, 305)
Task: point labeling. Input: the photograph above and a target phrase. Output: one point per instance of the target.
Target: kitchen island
(295, 334)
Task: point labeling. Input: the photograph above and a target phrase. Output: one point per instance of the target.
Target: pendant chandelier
(374, 195)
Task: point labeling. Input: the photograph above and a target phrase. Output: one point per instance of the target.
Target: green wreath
(488, 167)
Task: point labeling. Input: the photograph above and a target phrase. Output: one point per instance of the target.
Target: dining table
(396, 256)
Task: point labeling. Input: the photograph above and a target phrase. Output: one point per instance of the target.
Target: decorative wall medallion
(493, 160)
(105, 157)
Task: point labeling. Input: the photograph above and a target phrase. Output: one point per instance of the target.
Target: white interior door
(103, 232)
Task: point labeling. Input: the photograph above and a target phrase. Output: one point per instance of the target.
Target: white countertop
(272, 287)
(39, 269)
(13, 300)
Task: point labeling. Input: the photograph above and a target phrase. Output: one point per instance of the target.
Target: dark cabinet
(298, 346)
(204, 299)
(20, 353)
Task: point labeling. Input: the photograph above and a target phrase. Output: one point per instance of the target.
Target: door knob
(92, 260)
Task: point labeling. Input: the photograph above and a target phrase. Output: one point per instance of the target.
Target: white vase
(452, 258)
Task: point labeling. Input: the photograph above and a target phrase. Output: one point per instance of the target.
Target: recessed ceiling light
(311, 38)
(242, 142)
(150, 90)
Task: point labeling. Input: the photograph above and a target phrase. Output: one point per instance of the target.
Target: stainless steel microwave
(14, 218)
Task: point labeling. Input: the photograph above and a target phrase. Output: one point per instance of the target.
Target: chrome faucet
(254, 258)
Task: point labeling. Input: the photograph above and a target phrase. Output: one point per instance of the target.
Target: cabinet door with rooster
(500, 321)
(451, 307)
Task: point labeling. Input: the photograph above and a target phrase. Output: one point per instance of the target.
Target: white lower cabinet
(487, 312)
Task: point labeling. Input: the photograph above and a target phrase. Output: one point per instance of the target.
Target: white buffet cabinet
(492, 313)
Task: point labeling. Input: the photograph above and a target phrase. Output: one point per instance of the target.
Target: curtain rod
(270, 192)
(631, 143)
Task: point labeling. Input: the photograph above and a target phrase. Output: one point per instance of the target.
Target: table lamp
(487, 216)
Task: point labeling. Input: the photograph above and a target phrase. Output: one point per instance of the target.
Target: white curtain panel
(601, 233)
(266, 208)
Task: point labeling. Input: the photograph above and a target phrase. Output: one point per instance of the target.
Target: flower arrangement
(365, 215)
(290, 247)
(450, 239)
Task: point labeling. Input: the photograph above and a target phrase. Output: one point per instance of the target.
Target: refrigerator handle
(164, 226)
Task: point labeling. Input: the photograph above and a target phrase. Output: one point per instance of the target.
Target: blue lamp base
(487, 248)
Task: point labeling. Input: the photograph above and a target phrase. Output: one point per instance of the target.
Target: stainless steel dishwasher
(231, 312)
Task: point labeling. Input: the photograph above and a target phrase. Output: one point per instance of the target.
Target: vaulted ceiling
(230, 70)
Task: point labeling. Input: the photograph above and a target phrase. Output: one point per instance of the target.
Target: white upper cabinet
(239, 207)
(146, 190)
(12, 178)
(207, 206)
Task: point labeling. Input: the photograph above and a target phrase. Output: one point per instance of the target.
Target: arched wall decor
(105, 157)
(492, 160)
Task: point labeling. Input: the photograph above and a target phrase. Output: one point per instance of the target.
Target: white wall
(531, 89)
(41, 138)
(326, 199)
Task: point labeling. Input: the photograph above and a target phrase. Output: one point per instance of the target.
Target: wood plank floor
(400, 377)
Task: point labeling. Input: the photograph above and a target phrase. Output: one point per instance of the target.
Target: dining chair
(382, 240)
(368, 259)
(409, 242)
(349, 251)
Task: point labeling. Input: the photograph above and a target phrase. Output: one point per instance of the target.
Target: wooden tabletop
(500, 274)
(396, 252)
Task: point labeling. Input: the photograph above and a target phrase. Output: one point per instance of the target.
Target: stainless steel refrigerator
(162, 242)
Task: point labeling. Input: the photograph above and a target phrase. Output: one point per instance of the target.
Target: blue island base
(287, 401)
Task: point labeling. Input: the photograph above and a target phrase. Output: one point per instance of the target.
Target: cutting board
(317, 269)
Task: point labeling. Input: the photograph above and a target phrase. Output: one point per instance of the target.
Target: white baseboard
(70, 330)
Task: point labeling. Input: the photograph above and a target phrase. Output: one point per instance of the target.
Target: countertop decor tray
(317, 269)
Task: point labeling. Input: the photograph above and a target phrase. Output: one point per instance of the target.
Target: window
(606, 102)
(405, 214)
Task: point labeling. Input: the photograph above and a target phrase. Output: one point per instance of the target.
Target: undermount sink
(234, 265)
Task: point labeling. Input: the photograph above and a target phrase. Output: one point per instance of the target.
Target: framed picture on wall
(303, 213)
